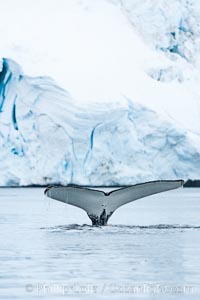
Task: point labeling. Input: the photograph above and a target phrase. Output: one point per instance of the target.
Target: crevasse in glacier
(169, 26)
(46, 138)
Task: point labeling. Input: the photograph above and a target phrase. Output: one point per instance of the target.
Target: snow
(73, 44)
(99, 92)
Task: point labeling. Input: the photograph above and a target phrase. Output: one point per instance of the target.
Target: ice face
(46, 137)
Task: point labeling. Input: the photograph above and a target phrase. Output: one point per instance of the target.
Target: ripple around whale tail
(120, 228)
(100, 205)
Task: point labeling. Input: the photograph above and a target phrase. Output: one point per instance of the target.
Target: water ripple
(117, 228)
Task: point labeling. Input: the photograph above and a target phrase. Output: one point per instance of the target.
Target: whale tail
(100, 205)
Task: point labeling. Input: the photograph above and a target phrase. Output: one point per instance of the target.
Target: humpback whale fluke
(100, 205)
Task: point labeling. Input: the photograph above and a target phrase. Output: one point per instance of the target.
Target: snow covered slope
(133, 108)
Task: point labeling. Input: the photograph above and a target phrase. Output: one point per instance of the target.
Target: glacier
(121, 102)
(46, 137)
(168, 26)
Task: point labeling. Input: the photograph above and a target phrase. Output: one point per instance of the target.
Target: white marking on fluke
(100, 205)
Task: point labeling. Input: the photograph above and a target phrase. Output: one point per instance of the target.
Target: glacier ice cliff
(46, 137)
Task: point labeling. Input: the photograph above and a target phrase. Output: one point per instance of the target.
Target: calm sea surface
(149, 250)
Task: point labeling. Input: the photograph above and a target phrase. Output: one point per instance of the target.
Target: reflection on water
(50, 250)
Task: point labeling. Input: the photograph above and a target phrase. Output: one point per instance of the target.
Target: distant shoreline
(188, 184)
(192, 183)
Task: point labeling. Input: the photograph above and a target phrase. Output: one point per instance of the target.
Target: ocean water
(149, 250)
